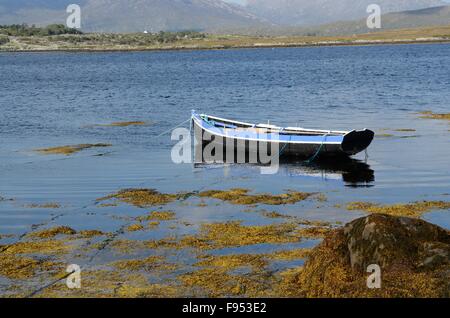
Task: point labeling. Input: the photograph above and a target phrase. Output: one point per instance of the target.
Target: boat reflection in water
(352, 172)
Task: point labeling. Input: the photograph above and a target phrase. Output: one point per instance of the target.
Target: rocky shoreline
(100, 49)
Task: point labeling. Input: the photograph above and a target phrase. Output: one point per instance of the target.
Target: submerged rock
(413, 256)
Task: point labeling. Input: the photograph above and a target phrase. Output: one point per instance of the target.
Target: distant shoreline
(185, 41)
(227, 47)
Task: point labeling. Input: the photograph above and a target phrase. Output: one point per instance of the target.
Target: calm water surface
(54, 99)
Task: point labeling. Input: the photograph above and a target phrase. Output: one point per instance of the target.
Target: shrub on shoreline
(26, 30)
(4, 39)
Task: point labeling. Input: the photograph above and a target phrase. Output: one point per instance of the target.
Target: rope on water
(285, 145)
(170, 130)
(314, 157)
(37, 291)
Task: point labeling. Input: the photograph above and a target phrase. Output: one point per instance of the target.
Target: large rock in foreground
(413, 256)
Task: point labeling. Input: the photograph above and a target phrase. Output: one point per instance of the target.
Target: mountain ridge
(306, 12)
(135, 15)
(213, 16)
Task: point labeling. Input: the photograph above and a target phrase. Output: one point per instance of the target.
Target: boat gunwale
(296, 131)
(197, 118)
(287, 131)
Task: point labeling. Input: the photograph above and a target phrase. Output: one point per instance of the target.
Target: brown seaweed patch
(289, 255)
(384, 135)
(142, 197)
(415, 209)
(217, 282)
(107, 205)
(230, 234)
(149, 291)
(151, 263)
(157, 216)
(256, 261)
(241, 197)
(127, 246)
(275, 215)
(313, 232)
(124, 124)
(64, 230)
(52, 247)
(412, 136)
(49, 205)
(90, 233)
(153, 224)
(235, 234)
(52, 232)
(15, 267)
(313, 223)
(107, 283)
(70, 149)
(431, 115)
(182, 243)
(169, 242)
(230, 262)
(135, 227)
(405, 130)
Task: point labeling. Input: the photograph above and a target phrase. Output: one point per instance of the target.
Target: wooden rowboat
(290, 141)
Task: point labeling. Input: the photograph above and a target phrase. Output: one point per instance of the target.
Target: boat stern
(356, 141)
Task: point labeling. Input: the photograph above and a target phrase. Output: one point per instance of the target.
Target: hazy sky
(236, 1)
(243, 1)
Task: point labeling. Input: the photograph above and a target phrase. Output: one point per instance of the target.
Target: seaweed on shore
(135, 227)
(142, 197)
(49, 205)
(242, 197)
(44, 247)
(16, 267)
(415, 209)
(314, 232)
(235, 234)
(112, 284)
(69, 149)
(64, 230)
(52, 232)
(431, 115)
(384, 135)
(124, 124)
(157, 216)
(275, 215)
(256, 261)
(151, 263)
(217, 282)
(404, 130)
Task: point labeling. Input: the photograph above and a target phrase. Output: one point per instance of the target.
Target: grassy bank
(199, 41)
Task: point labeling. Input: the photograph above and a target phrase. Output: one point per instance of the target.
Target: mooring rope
(316, 154)
(314, 157)
(170, 130)
(37, 291)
